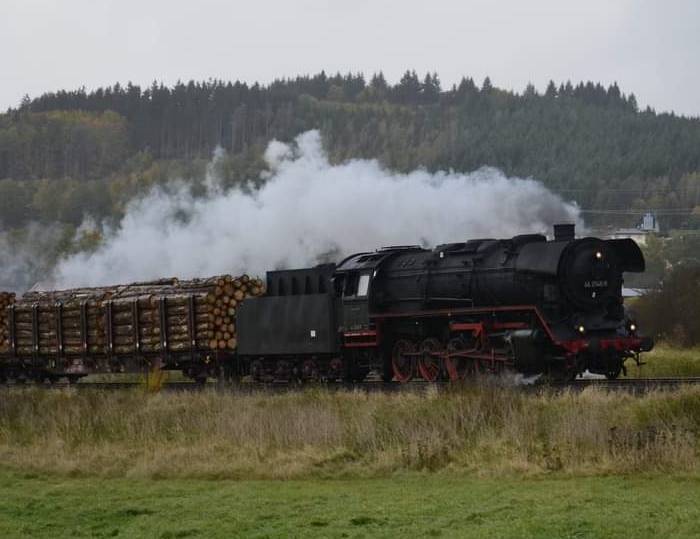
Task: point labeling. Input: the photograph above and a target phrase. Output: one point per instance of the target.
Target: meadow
(667, 361)
(484, 429)
(482, 460)
(411, 504)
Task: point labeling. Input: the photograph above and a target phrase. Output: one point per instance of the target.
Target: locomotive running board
(361, 339)
(449, 313)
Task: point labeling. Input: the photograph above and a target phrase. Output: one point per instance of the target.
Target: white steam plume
(307, 208)
(28, 255)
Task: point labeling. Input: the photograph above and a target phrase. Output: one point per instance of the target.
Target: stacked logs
(141, 322)
(147, 322)
(48, 320)
(6, 299)
(215, 302)
(222, 303)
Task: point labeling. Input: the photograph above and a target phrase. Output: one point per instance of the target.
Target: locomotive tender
(524, 304)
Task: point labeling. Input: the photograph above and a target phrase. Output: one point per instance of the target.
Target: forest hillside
(76, 155)
(68, 153)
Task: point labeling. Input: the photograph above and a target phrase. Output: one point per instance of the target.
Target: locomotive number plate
(595, 284)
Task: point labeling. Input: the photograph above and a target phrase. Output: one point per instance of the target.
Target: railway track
(633, 385)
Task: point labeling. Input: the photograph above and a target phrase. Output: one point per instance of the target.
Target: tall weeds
(482, 429)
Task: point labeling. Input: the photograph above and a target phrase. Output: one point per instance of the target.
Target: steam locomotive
(524, 304)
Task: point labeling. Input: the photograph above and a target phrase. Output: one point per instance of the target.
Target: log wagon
(169, 323)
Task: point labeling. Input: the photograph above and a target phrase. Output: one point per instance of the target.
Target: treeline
(66, 153)
(189, 120)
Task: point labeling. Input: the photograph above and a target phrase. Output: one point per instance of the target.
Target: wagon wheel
(401, 362)
(335, 369)
(428, 364)
(613, 372)
(257, 369)
(309, 370)
(459, 368)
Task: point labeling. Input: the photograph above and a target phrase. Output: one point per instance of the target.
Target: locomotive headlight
(598, 255)
(633, 327)
(581, 329)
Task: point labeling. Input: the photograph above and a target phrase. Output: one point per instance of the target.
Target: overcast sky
(650, 47)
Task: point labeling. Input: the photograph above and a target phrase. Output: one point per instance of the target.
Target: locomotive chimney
(564, 232)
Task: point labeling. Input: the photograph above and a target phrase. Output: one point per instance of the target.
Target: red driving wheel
(402, 361)
(460, 368)
(428, 363)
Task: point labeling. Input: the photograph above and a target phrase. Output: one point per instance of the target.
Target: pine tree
(614, 93)
(530, 91)
(551, 91)
(467, 87)
(378, 83)
(431, 88)
(632, 103)
(569, 89)
(408, 91)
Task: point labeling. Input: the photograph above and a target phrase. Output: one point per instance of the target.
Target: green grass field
(413, 505)
(481, 460)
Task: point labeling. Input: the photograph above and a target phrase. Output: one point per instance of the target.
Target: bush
(671, 312)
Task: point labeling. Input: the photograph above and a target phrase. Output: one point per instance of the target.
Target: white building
(649, 225)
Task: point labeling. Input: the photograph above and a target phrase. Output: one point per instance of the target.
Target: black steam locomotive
(485, 305)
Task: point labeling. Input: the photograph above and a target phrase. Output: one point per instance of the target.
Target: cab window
(350, 285)
(363, 285)
(338, 285)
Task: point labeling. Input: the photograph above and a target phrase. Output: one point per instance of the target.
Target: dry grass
(666, 360)
(482, 429)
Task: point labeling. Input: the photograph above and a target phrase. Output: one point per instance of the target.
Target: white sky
(649, 47)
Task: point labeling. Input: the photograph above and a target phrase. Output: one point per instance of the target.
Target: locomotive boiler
(484, 305)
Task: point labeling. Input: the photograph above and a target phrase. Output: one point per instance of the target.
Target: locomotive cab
(354, 281)
(353, 289)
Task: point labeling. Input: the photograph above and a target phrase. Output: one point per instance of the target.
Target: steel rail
(621, 384)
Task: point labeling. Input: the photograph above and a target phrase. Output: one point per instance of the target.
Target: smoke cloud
(29, 255)
(306, 211)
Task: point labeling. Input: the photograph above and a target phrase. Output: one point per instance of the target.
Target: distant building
(633, 292)
(648, 225)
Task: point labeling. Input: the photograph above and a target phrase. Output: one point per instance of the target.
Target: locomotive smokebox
(564, 232)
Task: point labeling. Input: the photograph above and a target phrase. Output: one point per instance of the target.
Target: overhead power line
(655, 211)
(693, 190)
